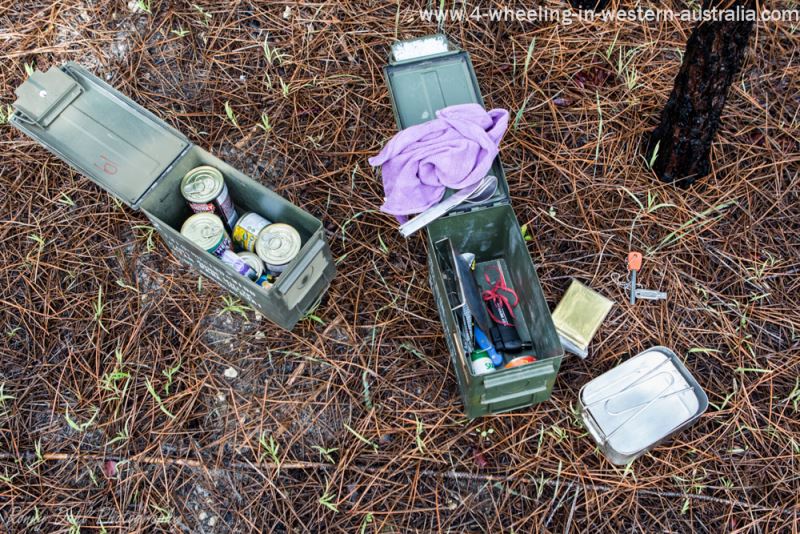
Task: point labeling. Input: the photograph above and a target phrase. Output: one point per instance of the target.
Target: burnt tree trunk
(714, 54)
(592, 5)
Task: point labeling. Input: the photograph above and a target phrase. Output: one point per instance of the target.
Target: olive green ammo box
(140, 159)
(425, 75)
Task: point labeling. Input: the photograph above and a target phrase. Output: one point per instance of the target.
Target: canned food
(205, 191)
(247, 228)
(278, 244)
(207, 231)
(481, 362)
(265, 281)
(253, 261)
(238, 264)
(521, 360)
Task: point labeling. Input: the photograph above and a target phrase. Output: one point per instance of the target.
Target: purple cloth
(454, 150)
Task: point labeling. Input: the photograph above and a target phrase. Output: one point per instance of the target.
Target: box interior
(484, 268)
(494, 234)
(166, 203)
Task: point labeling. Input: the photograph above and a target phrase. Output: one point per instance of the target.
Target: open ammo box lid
(426, 75)
(101, 133)
(430, 73)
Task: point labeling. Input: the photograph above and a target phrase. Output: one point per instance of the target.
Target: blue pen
(484, 343)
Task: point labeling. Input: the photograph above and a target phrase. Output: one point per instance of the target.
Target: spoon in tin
(480, 192)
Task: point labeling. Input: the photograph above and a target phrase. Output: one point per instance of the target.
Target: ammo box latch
(420, 48)
(45, 95)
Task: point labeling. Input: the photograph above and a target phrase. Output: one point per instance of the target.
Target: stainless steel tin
(205, 191)
(639, 403)
(247, 228)
(207, 231)
(253, 261)
(278, 244)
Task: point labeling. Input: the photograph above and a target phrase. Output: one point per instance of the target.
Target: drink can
(278, 244)
(253, 261)
(481, 362)
(247, 228)
(520, 360)
(205, 191)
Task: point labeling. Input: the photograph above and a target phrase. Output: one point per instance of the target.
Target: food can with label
(247, 228)
(207, 231)
(238, 264)
(278, 244)
(205, 191)
(265, 281)
(481, 362)
(253, 261)
(521, 360)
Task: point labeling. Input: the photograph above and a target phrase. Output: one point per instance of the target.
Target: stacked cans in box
(265, 248)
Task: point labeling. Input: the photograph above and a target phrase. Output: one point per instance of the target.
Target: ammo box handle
(300, 270)
(498, 383)
(485, 399)
(531, 371)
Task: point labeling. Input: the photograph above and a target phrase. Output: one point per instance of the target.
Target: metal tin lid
(97, 130)
(632, 407)
(278, 244)
(204, 229)
(202, 184)
(253, 261)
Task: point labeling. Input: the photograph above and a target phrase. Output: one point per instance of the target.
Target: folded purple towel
(454, 150)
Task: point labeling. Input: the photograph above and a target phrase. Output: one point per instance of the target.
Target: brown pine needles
(352, 423)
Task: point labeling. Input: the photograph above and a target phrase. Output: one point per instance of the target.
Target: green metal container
(141, 160)
(425, 75)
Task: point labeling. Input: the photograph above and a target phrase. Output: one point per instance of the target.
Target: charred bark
(592, 5)
(714, 55)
